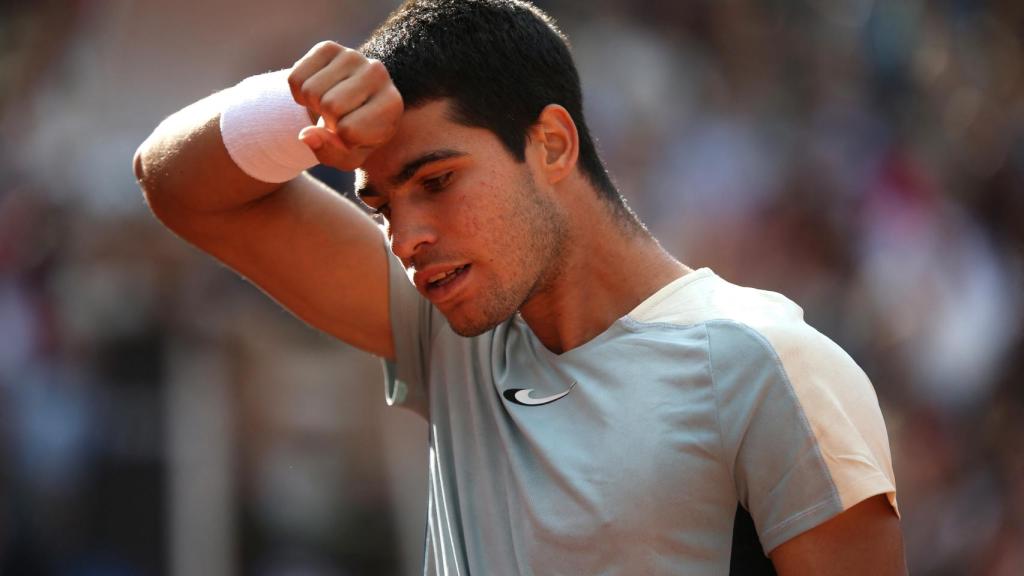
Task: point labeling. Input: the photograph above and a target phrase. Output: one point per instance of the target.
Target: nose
(410, 233)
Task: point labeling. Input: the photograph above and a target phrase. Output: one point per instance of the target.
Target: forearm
(310, 249)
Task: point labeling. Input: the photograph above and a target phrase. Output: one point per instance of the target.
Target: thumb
(328, 148)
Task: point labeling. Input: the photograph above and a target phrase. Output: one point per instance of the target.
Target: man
(595, 406)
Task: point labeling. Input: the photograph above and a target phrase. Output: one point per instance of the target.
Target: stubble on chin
(469, 331)
(469, 324)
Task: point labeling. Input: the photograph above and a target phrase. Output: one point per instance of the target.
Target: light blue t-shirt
(633, 453)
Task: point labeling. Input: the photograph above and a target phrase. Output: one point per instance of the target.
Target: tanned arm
(310, 249)
(865, 539)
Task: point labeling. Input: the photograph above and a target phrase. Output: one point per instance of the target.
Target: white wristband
(260, 126)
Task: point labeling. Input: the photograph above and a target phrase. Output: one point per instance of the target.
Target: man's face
(476, 233)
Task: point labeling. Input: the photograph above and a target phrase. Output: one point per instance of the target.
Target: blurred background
(158, 415)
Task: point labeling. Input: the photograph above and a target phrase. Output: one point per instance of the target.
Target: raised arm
(307, 247)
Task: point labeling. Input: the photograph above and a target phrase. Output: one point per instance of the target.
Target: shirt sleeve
(413, 325)
(801, 427)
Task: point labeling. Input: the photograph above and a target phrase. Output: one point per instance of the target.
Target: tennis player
(595, 406)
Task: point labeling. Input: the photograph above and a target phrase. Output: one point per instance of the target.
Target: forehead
(424, 130)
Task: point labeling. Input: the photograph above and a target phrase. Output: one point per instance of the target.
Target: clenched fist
(352, 99)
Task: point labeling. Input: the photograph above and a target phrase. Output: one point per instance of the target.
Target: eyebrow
(409, 170)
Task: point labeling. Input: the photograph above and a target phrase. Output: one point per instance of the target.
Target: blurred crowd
(160, 415)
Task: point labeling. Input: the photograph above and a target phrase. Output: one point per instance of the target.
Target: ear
(556, 142)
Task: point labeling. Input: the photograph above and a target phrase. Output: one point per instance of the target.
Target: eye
(437, 183)
(384, 210)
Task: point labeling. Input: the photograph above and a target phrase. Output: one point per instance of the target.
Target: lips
(439, 282)
(443, 278)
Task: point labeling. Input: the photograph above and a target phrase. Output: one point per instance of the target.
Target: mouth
(442, 285)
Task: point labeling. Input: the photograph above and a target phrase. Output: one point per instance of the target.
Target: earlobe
(556, 133)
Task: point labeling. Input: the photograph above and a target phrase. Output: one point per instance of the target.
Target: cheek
(488, 215)
(481, 215)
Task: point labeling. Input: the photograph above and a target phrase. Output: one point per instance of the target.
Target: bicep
(311, 250)
(864, 539)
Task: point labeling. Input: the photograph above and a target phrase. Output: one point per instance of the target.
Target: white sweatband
(260, 126)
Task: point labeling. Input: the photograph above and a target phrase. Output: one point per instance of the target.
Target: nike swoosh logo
(522, 396)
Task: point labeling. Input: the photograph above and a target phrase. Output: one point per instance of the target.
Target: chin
(473, 317)
(468, 327)
(471, 329)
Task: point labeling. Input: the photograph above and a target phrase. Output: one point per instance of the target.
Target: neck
(607, 268)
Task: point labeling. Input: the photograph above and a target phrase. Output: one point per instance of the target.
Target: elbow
(139, 168)
(145, 175)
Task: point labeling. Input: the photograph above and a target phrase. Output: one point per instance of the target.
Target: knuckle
(309, 97)
(349, 132)
(376, 70)
(327, 46)
(332, 108)
(393, 98)
(350, 57)
(294, 83)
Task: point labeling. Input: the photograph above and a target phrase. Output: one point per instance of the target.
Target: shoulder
(736, 317)
(799, 420)
(766, 326)
(702, 296)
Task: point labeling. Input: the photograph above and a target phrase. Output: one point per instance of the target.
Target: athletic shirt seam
(730, 464)
(805, 423)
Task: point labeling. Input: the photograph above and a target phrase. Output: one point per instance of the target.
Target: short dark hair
(500, 62)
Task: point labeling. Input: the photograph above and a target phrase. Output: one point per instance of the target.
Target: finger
(341, 68)
(329, 149)
(318, 57)
(374, 122)
(344, 97)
